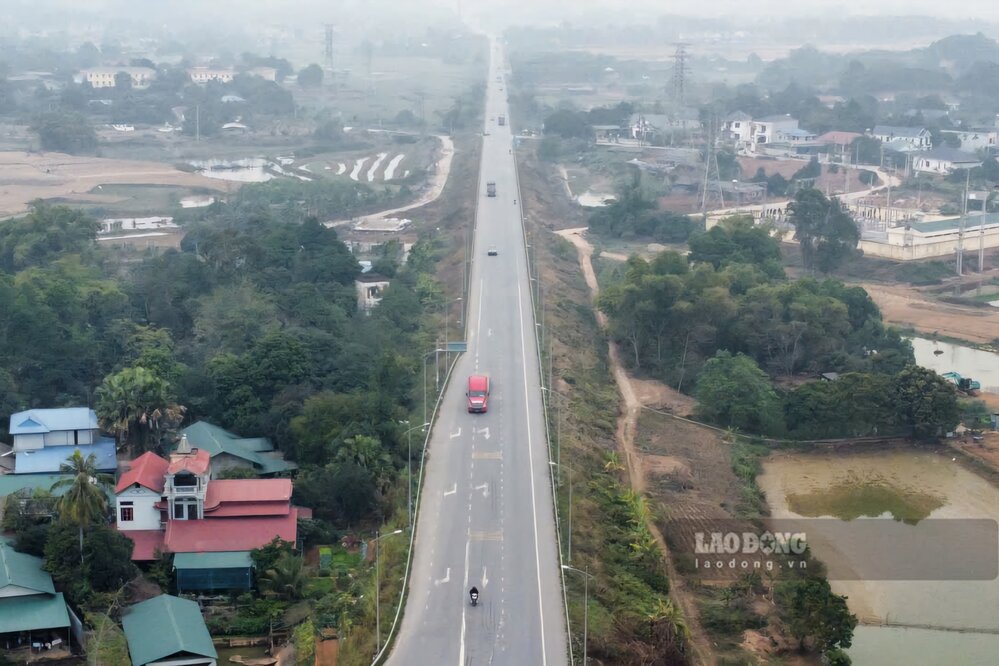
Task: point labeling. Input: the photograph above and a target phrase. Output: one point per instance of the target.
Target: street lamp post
(378, 585)
(558, 429)
(572, 472)
(447, 311)
(434, 352)
(586, 603)
(409, 474)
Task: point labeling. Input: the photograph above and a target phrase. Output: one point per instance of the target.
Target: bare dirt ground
(909, 307)
(26, 177)
(637, 466)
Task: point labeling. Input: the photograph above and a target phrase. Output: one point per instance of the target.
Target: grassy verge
(631, 618)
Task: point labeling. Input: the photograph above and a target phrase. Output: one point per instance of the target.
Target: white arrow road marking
(456, 434)
(484, 432)
(453, 490)
(485, 581)
(445, 579)
(484, 488)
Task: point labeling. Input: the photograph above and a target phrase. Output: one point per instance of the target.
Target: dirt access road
(26, 177)
(637, 394)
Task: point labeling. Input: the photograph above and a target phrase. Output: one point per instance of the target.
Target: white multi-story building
(105, 77)
(206, 74)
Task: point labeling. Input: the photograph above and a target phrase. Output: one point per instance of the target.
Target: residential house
(228, 450)
(985, 138)
(168, 631)
(46, 438)
(266, 73)
(770, 128)
(838, 141)
(944, 160)
(33, 616)
(903, 139)
(105, 77)
(205, 74)
(370, 288)
(188, 513)
(738, 127)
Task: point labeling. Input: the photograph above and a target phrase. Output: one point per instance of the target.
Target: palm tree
(86, 499)
(134, 404)
(286, 579)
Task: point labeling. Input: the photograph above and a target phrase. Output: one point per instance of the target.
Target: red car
(478, 394)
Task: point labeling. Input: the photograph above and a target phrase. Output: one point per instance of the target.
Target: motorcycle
(473, 594)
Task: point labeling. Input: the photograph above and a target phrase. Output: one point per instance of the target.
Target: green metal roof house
(228, 450)
(168, 631)
(31, 611)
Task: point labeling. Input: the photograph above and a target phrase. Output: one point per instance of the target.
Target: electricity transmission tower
(712, 184)
(680, 72)
(329, 47)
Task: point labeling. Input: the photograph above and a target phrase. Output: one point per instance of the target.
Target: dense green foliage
(68, 132)
(633, 215)
(732, 391)
(827, 233)
(813, 613)
(719, 321)
(674, 313)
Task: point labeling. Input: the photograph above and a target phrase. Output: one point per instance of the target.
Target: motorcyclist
(473, 594)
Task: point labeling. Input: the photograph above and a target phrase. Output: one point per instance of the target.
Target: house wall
(145, 515)
(29, 442)
(971, 141)
(923, 247)
(214, 579)
(930, 165)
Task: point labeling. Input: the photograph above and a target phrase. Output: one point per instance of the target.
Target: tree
(827, 234)
(85, 500)
(286, 579)
(568, 124)
(733, 391)
(812, 611)
(866, 150)
(311, 76)
(108, 564)
(135, 405)
(106, 642)
(926, 403)
(65, 132)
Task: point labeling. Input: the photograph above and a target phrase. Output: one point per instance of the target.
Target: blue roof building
(45, 438)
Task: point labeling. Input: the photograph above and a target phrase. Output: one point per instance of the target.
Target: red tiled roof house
(210, 525)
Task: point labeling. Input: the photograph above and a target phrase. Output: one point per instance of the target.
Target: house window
(185, 509)
(736, 125)
(126, 513)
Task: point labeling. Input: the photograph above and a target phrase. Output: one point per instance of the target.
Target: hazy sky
(549, 10)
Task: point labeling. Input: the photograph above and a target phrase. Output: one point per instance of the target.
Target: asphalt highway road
(487, 515)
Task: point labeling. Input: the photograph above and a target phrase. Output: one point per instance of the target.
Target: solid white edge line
(530, 465)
